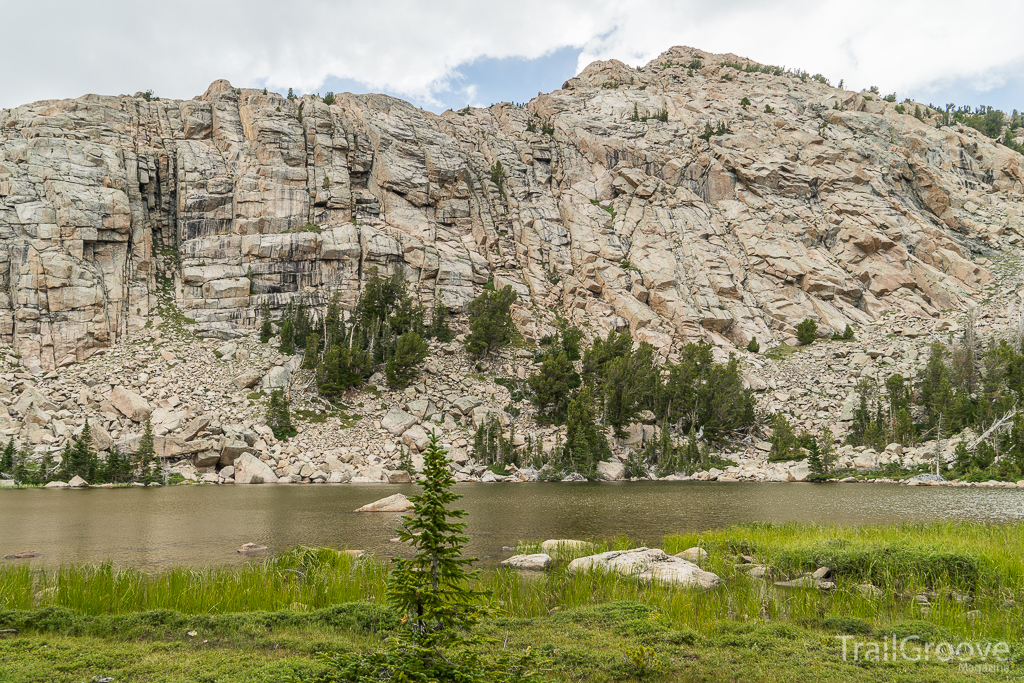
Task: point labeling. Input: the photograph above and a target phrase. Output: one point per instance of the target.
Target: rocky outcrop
(648, 564)
(813, 202)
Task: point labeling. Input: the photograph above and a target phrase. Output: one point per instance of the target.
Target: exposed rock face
(817, 203)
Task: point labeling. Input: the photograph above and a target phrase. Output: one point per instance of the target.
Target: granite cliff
(695, 197)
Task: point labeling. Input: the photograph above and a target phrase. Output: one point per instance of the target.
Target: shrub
(806, 331)
(768, 109)
(753, 346)
(745, 102)
(409, 353)
(329, 98)
(490, 322)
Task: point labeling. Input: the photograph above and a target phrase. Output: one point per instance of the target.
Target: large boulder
(648, 564)
(193, 428)
(537, 562)
(78, 483)
(397, 421)
(416, 437)
(483, 415)
(247, 380)
(33, 397)
(611, 471)
(130, 404)
(395, 503)
(277, 378)
(251, 470)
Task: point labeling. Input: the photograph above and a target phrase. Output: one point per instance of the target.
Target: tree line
(79, 458)
(962, 385)
(619, 380)
(385, 331)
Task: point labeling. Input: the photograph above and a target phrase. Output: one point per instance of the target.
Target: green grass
(260, 621)
(782, 352)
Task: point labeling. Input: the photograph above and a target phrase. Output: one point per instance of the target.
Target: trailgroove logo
(911, 649)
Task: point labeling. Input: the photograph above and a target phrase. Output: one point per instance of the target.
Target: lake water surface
(204, 525)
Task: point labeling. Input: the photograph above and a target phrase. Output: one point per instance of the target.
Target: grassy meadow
(952, 582)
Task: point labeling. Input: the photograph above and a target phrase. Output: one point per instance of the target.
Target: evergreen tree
(753, 346)
(585, 443)
(409, 353)
(553, 384)
(45, 470)
(342, 368)
(118, 467)
(311, 355)
(597, 358)
(22, 469)
(814, 463)
(266, 327)
(490, 322)
(827, 450)
(287, 346)
(7, 458)
(80, 460)
(783, 440)
(148, 462)
(630, 382)
(439, 329)
(430, 589)
(279, 415)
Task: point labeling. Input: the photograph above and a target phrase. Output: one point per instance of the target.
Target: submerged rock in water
(22, 555)
(395, 503)
(252, 548)
(648, 564)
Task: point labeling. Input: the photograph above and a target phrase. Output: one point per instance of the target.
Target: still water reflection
(203, 525)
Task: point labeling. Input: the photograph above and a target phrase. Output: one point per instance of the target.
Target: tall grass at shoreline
(961, 567)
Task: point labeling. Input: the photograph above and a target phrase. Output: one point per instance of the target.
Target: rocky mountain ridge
(812, 202)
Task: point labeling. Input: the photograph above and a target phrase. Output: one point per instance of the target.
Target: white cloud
(65, 49)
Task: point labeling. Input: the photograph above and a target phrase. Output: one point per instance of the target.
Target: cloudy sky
(449, 53)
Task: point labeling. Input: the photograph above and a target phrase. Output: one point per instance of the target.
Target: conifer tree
(311, 355)
(439, 329)
(279, 415)
(80, 460)
(7, 458)
(45, 470)
(149, 463)
(585, 443)
(490, 322)
(430, 588)
(409, 353)
(287, 346)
